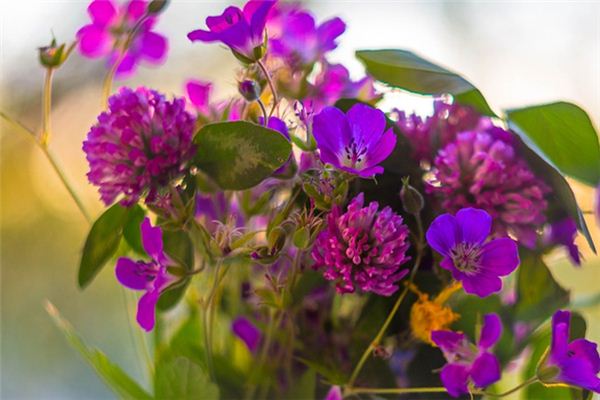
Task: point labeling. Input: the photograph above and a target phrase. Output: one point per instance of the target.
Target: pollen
(429, 315)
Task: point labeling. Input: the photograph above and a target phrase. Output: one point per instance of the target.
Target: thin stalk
(520, 386)
(46, 108)
(264, 112)
(271, 85)
(358, 390)
(207, 322)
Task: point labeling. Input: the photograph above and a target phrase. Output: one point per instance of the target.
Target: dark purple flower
(247, 332)
(478, 264)
(482, 169)
(151, 276)
(139, 146)
(363, 248)
(241, 30)
(356, 142)
(297, 39)
(467, 362)
(564, 232)
(199, 94)
(575, 363)
(109, 29)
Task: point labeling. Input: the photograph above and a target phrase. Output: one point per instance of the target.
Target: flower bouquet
(297, 241)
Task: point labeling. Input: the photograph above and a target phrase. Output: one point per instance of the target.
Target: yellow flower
(431, 315)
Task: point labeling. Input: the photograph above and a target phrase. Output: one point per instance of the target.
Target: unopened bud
(54, 55)
(249, 89)
(412, 200)
(156, 6)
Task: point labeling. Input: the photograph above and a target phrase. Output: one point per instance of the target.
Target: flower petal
(443, 234)
(102, 12)
(128, 274)
(152, 240)
(199, 94)
(382, 150)
(500, 256)
(147, 309)
(481, 284)
(561, 323)
(331, 130)
(476, 224)
(586, 350)
(455, 378)
(328, 31)
(491, 330)
(335, 393)
(153, 47)
(448, 341)
(367, 123)
(247, 332)
(93, 41)
(485, 370)
(256, 14)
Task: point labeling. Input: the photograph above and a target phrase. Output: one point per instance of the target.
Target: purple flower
(241, 30)
(576, 363)
(199, 94)
(564, 232)
(478, 264)
(482, 169)
(140, 145)
(467, 362)
(247, 332)
(278, 125)
(363, 248)
(355, 142)
(297, 39)
(335, 393)
(151, 276)
(109, 29)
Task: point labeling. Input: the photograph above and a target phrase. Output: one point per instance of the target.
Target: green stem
(358, 390)
(522, 385)
(271, 86)
(46, 108)
(264, 112)
(207, 322)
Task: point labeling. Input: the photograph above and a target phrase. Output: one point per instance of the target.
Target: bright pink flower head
(139, 145)
(363, 248)
(482, 169)
(241, 30)
(110, 27)
(151, 276)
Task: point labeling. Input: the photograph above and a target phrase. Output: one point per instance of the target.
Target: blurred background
(516, 53)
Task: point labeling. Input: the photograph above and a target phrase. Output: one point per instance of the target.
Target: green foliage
(239, 155)
(179, 247)
(563, 135)
(178, 377)
(406, 70)
(131, 229)
(304, 388)
(102, 242)
(110, 373)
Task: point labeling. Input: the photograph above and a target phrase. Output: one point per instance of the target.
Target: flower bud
(412, 200)
(157, 6)
(54, 55)
(249, 89)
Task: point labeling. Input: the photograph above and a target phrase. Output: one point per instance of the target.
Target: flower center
(465, 257)
(148, 270)
(354, 154)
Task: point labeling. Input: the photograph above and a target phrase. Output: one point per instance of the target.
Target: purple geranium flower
(243, 328)
(241, 30)
(355, 142)
(199, 94)
(110, 26)
(151, 276)
(298, 40)
(477, 264)
(363, 248)
(140, 145)
(468, 362)
(564, 232)
(576, 363)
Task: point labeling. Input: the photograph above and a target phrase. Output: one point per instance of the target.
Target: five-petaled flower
(243, 31)
(355, 142)
(108, 33)
(467, 362)
(574, 363)
(151, 276)
(478, 264)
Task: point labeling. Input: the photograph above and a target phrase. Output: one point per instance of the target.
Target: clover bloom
(243, 328)
(467, 362)
(297, 39)
(355, 142)
(478, 264)
(482, 169)
(139, 145)
(363, 248)
(574, 363)
(243, 31)
(111, 24)
(151, 276)
(564, 232)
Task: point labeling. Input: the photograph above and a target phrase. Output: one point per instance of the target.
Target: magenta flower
(199, 94)
(478, 264)
(363, 248)
(151, 276)
(482, 169)
(139, 145)
(356, 142)
(110, 27)
(298, 40)
(576, 363)
(241, 30)
(467, 362)
(564, 232)
(335, 393)
(243, 328)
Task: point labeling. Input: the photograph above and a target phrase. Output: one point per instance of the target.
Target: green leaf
(408, 71)
(181, 378)
(239, 155)
(304, 388)
(563, 135)
(111, 374)
(102, 243)
(131, 229)
(179, 247)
